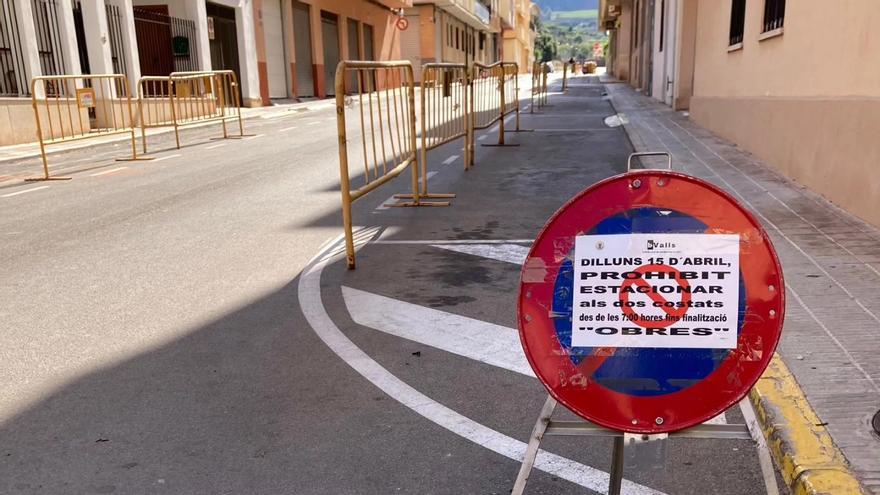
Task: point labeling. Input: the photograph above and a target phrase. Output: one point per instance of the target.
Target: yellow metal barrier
(384, 94)
(539, 86)
(494, 94)
(185, 98)
(443, 115)
(72, 108)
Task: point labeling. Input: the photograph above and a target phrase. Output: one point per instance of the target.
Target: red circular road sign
(671, 323)
(402, 23)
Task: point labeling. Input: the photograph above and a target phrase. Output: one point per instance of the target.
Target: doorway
(330, 36)
(302, 41)
(224, 43)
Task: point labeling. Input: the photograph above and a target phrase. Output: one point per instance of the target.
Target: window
(774, 14)
(737, 21)
(457, 40)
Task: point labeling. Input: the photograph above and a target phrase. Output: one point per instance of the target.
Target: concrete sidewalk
(831, 263)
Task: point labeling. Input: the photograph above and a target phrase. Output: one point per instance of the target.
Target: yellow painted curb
(803, 450)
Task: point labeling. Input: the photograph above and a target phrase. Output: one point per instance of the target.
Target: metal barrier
(76, 107)
(443, 114)
(494, 94)
(186, 98)
(539, 86)
(384, 93)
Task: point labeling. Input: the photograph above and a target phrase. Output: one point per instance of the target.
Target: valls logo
(652, 245)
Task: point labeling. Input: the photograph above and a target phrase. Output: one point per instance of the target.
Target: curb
(800, 444)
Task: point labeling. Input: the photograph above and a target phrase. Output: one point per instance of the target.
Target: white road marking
(117, 169)
(387, 203)
(450, 159)
(309, 295)
(478, 340)
(430, 174)
(484, 136)
(165, 158)
(764, 459)
(255, 136)
(314, 122)
(213, 146)
(24, 191)
(509, 253)
(289, 128)
(494, 128)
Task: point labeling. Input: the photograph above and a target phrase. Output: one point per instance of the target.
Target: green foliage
(546, 48)
(567, 29)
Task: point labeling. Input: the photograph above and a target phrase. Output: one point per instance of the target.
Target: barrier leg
(46, 175)
(501, 120)
(134, 155)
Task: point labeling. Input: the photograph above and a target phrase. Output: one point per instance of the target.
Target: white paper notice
(656, 290)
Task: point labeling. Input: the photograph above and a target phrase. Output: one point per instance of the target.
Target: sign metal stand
(545, 426)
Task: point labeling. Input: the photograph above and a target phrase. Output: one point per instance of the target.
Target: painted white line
(24, 191)
(309, 295)
(450, 159)
(430, 174)
(478, 340)
(509, 253)
(288, 128)
(494, 128)
(314, 122)
(165, 158)
(117, 169)
(764, 459)
(387, 203)
(255, 136)
(214, 146)
(484, 136)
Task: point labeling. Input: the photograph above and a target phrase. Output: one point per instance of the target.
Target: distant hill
(567, 5)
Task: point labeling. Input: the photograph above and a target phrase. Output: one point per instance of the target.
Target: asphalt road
(156, 336)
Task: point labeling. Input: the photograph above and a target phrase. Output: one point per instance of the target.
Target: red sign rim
(402, 23)
(726, 385)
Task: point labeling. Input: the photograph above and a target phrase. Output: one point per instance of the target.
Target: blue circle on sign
(642, 372)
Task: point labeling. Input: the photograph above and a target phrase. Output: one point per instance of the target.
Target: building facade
(278, 48)
(457, 31)
(518, 33)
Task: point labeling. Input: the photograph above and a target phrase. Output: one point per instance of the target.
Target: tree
(545, 44)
